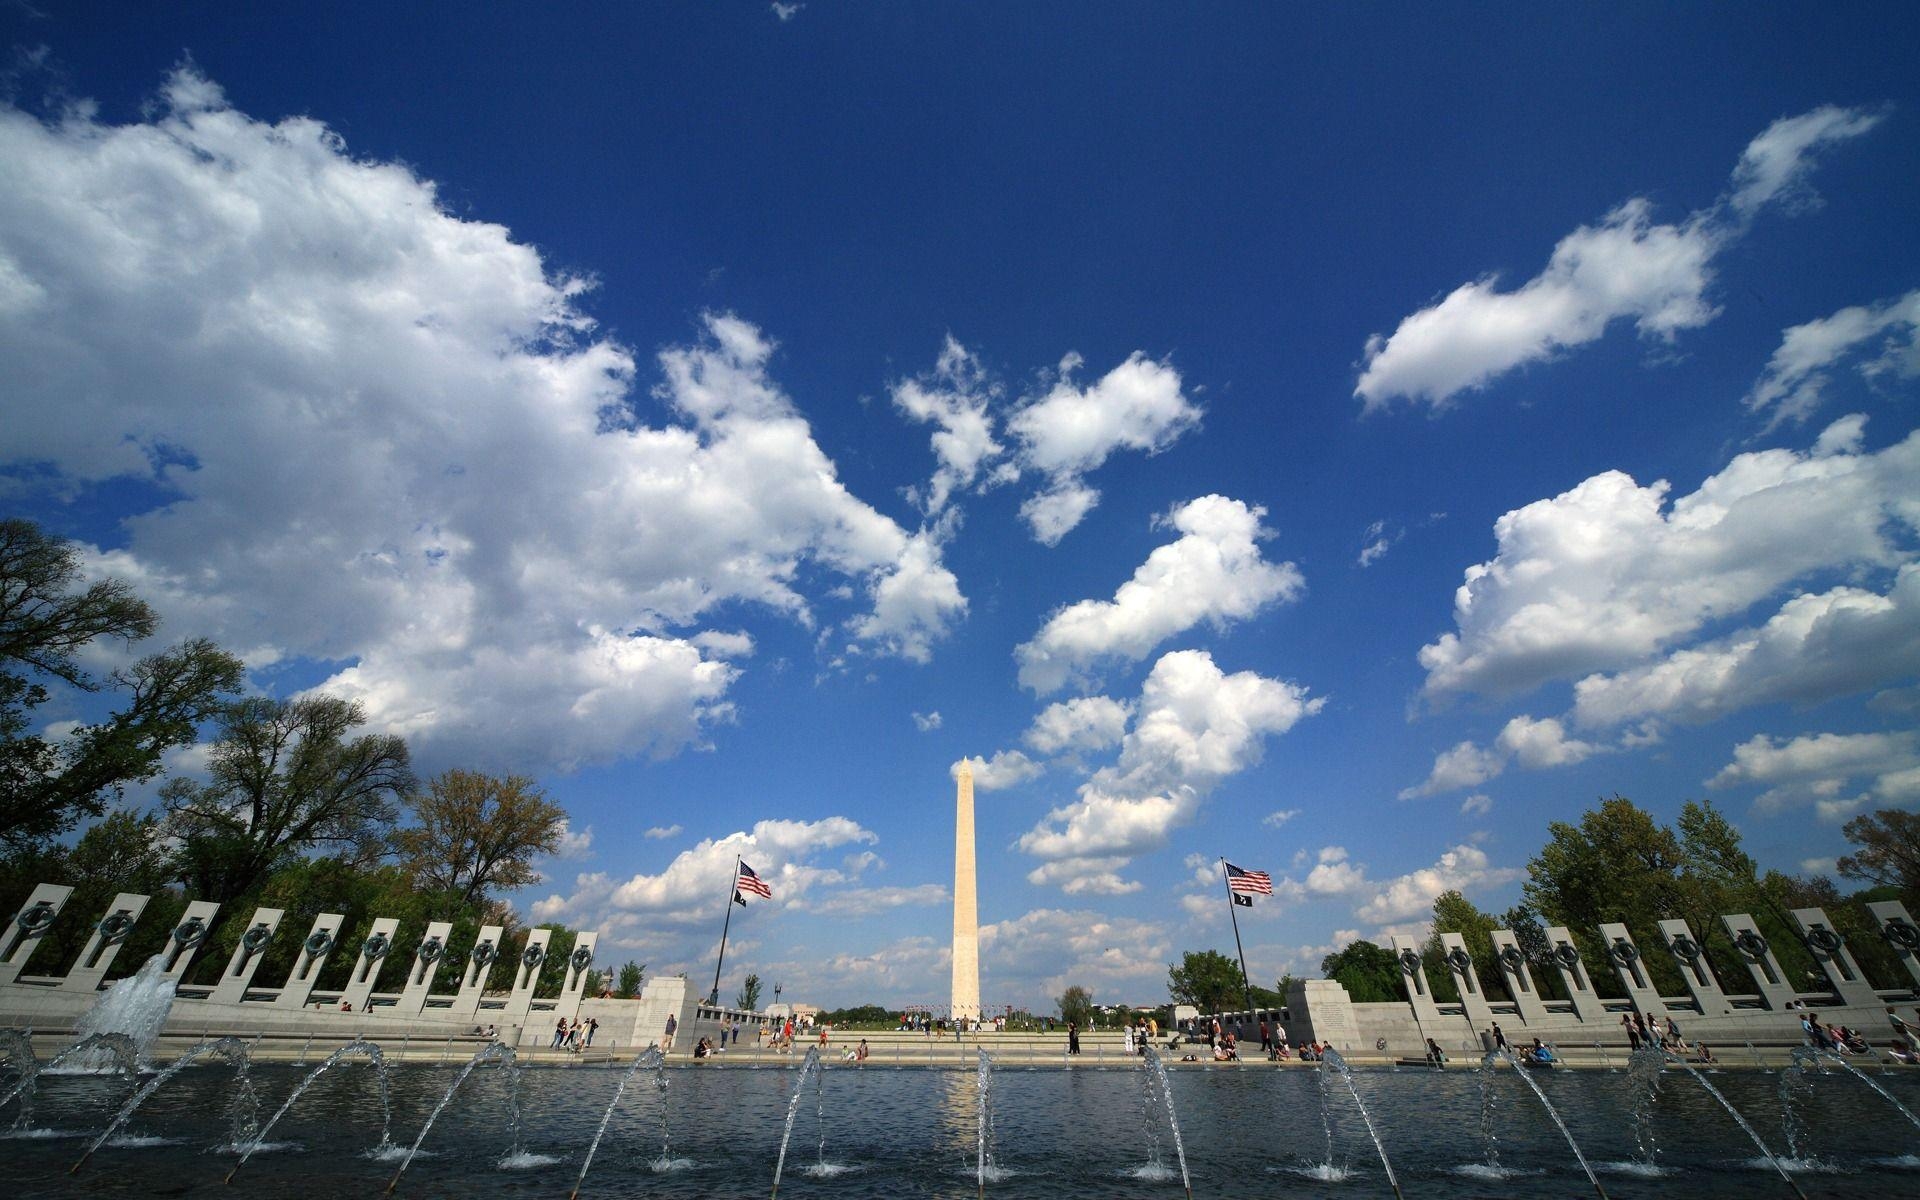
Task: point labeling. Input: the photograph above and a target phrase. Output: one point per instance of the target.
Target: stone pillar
(109, 934)
(432, 948)
(1768, 979)
(22, 935)
(1691, 958)
(1901, 933)
(1413, 972)
(1519, 977)
(486, 949)
(1573, 973)
(232, 988)
(1829, 949)
(375, 949)
(526, 974)
(1321, 1010)
(188, 936)
(966, 912)
(1473, 1001)
(1633, 973)
(321, 941)
(578, 964)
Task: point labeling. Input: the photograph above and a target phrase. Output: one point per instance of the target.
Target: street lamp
(776, 993)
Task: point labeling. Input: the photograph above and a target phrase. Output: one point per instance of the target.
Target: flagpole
(732, 891)
(1246, 988)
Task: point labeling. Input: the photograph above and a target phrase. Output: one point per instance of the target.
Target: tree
(1370, 973)
(1889, 850)
(1076, 1005)
(629, 985)
(1206, 979)
(46, 622)
(284, 780)
(1454, 913)
(749, 997)
(478, 833)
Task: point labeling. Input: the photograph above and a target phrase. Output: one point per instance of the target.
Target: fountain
(984, 1168)
(1644, 1072)
(810, 1065)
(1863, 1077)
(357, 1047)
(1740, 1121)
(651, 1060)
(498, 1052)
(1796, 1093)
(243, 1108)
(1489, 1136)
(18, 1047)
(1159, 1070)
(1554, 1113)
(1330, 1058)
(136, 1006)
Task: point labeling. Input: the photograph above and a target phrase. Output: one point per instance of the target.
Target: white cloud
(1608, 573)
(391, 437)
(1479, 804)
(955, 396)
(1818, 866)
(1817, 646)
(786, 12)
(1463, 868)
(574, 845)
(661, 832)
(1084, 876)
(850, 903)
(1275, 820)
(1795, 381)
(1042, 952)
(1535, 742)
(1213, 573)
(1194, 726)
(1083, 724)
(1823, 770)
(1334, 874)
(1004, 770)
(1626, 267)
(1378, 542)
(1070, 431)
(926, 722)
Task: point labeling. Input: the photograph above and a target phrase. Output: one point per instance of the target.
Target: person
(786, 1034)
(1540, 1054)
(1901, 1051)
(666, 1043)
(1266, 1037)
(559, 1034)
(860, 1054)
(701, 1048)
(1673, 1033)
(1706, 1053)
(1279, 1052)
(593, 1027)
(573, 1037)
(1901, 1029)
(1073, 1037)
(1633, 1031)
(823, 1036)
(1499, 1039)
(1435, 1056)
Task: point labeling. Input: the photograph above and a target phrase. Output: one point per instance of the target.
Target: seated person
(1221, 1053)
(701, 1048)
(1278, 1053)
(1901, 1051)
(1539, 1052)
(1706, 1054)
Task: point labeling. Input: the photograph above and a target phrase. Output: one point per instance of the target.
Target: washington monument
(966, 913)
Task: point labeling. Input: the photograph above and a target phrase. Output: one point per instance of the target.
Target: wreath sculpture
(1751, 944)
(1901, 933)
(1409, 961)
(1684, 948)
(190, 933)
(1824, 940)
(1459, 960)
(115, 926)
(34, 919)
(1511, 956)
(376, 947)
(256, 939)
(1624, 952)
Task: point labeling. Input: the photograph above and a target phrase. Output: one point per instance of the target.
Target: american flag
(749, 882)
(1253, 883)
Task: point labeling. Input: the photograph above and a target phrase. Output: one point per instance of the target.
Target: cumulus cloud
(1194, 726)
(850, 903)
(955, 396)
(1835, 773)
(1334, 874)
(660, 832)
(1081, 725)
(780, 852)
(1479, 804)
(1883, 340)
(1214, 572)
(1463, 868)
(391, 437)
(1536, 742)
(1609, 573)
(1005, 769)
(574, 845)
(926, 722)
(1275, 820)
(1042, 952)
(1071, 430)
(1628, 266)
(1818, 646)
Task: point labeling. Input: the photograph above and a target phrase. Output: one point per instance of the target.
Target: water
(809, 1066)
(651, 1060)
(136, 1007)
(1173, 1118)
(495, 1052)
(1863, 1077)
(915, 1133)
(983, 1165)
(356, 1048)
(240, 1101)
(1645, 1068)
(1330, 1058)
(1559, 1124)
(1742, 1122)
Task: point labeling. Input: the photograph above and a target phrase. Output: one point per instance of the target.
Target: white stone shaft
(966, 911)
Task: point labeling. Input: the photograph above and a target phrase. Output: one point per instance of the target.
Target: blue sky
(684, 405)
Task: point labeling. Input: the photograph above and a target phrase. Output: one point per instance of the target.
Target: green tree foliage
(860, 1016)
(749, 997)
(1076, 1005)
(1454, 913)
(1888, 854)
(46, 622)
(122, 852)
(476, 834)
(630, 976)
(1206, 979)
(1370, 973)
(285, 780)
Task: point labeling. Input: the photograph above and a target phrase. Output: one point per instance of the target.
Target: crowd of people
(573, 1035)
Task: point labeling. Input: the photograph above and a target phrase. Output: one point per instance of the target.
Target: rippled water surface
(912, 1132)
